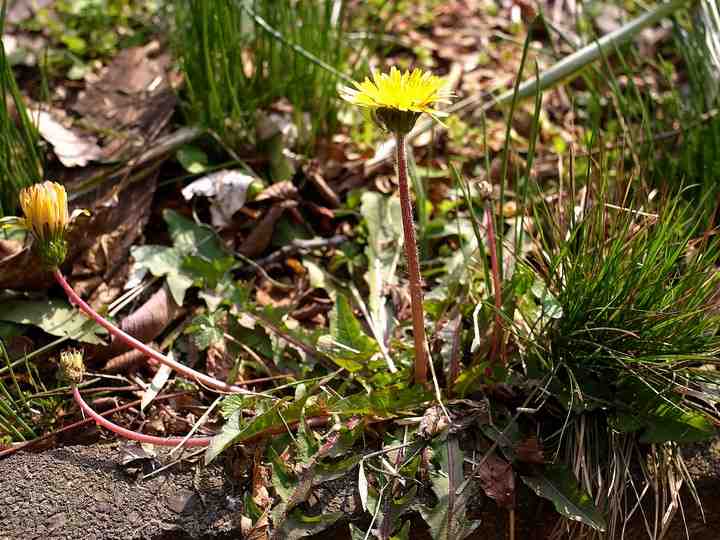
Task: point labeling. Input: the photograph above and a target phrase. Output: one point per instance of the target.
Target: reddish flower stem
(497, 285)
(189, 372)
(313, 421)
(80, 423)
(411, 252)
(134, 435)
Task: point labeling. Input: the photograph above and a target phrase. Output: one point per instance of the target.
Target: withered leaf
(497, 480)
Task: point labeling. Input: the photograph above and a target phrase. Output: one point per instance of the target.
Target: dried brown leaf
(281, 191)
(259, 239)
(497, 480)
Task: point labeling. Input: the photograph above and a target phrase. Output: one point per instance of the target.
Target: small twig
(298, 245)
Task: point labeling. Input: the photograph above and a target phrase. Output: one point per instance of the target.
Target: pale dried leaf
(71, 149)
(227, 190)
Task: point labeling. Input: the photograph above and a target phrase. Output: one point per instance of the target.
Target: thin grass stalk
(411, 252)
(497, 282)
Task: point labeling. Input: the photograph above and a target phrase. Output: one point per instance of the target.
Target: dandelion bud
(72, 365)
(46, 217)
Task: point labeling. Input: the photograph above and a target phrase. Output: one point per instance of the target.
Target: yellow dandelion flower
(46, 210)
(46, 218)
(397, 98)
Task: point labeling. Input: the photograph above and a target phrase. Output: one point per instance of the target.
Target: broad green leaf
(385, 239)
(671, 423)
(557, 484)
(230, 431)
(659, 419)
(55, 317)
(193, 159)
(325, 471)
(299, 525)
(163, 261)
(403, 533)
(208, 271)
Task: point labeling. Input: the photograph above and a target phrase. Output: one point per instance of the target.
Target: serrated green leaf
(385, 403)
(348, 345)
(283, 479)
(557, 484)
(205, 331)
(448, 518)
(232, 403)
(55, 317)
(307, 444)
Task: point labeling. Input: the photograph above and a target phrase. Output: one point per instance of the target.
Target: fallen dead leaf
(132, 99)
(71, 148)
(227, 191)
(259, 238)
(497, 479)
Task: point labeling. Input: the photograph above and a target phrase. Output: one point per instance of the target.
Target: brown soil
(84, 492)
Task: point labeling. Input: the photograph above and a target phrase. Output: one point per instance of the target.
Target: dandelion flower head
(408, 93)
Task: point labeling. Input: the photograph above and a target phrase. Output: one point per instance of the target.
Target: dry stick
(411, 252)
(134, 435)
(139, 345)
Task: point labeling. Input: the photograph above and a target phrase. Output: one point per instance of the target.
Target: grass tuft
(20, 161)
(239, 57)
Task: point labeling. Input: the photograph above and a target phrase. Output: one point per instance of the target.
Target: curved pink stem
(189, 372)
(134, 435)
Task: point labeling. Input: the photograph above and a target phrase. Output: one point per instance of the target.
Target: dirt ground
(86, 492)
